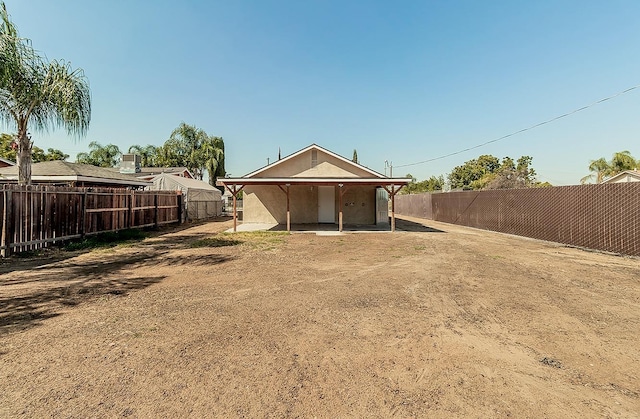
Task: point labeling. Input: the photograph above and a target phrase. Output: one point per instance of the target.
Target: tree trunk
(24, 158)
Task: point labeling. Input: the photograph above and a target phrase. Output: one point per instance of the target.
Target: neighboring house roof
(147, 173)
(63, 171)
(172, 182)
(5, 162)
(626, 176)
(170, 170)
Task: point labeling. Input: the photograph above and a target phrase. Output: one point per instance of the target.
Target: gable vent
(314, 158)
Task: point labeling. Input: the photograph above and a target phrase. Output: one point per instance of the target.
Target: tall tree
(602, 169)
(430, 185)
(355, 156)
(9, 149)
(192, 148)
(98, 155)
(472, 174)
(488, 172)
(513, 175)
(38, 94)
(621, 161)
(213, 155)
(55, 154)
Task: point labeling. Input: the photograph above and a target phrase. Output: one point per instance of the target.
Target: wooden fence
(33, 217)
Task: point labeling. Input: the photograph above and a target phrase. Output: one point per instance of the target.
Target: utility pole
(388, 164)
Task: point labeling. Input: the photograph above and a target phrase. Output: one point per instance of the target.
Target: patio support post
(288, 211)
(286, 191)
(235, 193)
(340, 204)
(393, 210)
(392, 192)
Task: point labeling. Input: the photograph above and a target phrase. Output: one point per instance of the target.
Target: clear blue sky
(400, 81)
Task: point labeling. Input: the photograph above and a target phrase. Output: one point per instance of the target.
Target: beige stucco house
(315, 185)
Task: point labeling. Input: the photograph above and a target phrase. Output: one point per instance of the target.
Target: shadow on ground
(168, 237)
(25, 311)
(401, 224)
(406, 225)
(25, 307)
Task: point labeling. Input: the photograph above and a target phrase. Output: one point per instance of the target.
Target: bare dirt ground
(439, 321)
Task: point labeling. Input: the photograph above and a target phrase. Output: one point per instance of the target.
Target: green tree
(98, 155)
(473, 173)
(355, 156)
(55, 154)
(513, 175)
(430, 185)
(212, 151)
(621, 161)
(192, 148)
(9, 148)
(38, 94)
(602, 169)
(488, 172)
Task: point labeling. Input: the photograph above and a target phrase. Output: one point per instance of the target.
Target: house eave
(82, 179)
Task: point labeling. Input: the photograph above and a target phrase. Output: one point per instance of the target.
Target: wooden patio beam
(286, 191)
(392, 192)
(235, 193)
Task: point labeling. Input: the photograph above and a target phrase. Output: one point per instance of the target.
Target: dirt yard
(438, 321)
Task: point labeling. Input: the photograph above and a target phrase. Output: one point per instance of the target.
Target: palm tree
(600, 169)
(37, 93)
(186, 141)
(99, 155)
(621, 161)
(212, 152)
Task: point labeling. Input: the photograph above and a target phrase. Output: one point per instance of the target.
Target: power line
(524, 129)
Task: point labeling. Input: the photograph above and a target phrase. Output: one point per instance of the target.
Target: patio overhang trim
(295, 181)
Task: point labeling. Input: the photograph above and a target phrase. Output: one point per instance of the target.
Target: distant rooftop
(65, 171)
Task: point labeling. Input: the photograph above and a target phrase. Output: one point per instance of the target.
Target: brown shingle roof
(50, 170)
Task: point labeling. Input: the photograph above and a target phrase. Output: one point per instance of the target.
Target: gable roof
(7, 162)
(627, 173)
(64, 171)
(373, 173)
(186, 182)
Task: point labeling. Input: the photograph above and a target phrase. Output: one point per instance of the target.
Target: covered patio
(343, 185)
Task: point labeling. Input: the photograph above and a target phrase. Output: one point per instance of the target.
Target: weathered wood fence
(34, 217)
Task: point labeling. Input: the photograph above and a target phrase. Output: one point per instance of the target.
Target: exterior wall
(263, 204)
(359, 205)
(268, 204)
(300, 166)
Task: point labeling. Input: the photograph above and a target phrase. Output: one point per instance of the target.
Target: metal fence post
(179, 199)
